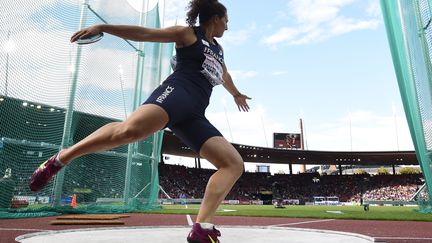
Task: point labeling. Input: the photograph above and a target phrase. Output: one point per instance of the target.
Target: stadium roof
(172, 145)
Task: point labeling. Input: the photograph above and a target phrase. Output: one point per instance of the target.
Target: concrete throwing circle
(174, 234)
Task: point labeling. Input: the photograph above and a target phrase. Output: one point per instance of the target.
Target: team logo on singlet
(165, 94)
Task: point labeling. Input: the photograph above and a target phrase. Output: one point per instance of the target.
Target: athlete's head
(209, 12)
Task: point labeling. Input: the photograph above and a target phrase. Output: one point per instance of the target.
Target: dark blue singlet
(185, 94)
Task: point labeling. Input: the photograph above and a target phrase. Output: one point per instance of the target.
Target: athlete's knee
(235, 164)
(239, 167)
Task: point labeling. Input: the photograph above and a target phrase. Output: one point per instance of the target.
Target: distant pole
(302, 134)
(350, 131)
(122, 90)
(226, 117)
(351, 146)
(265, 137)
(302, 166)
(229, 126)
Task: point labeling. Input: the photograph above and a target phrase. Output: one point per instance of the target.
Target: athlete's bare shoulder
(186, 36)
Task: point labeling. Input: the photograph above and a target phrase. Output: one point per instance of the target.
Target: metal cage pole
(138, 87)
(66, 140)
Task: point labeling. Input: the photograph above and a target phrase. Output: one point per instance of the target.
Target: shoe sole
(196, 241)
(193, 241)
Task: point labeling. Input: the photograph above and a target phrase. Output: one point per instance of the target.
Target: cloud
(318, 20)
(175, 12)
(315, 12)
(279, 73)
(374, 8)
(363, 130)
(368, 131)
(114, 10)
(37, 73)
(244, 127)
(242, 74)
(284, 34)
(341, 25)
(15, 15)
(235, 38)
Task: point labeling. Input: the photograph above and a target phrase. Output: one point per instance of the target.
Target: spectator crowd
(191, 182)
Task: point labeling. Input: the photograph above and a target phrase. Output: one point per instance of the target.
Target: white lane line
(400, 238)
(189, 220)
(304, 222)
(188, 217)
(20, 229)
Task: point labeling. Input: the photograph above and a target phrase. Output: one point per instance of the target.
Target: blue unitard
(185, 94)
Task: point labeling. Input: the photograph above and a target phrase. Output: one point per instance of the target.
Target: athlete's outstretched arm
(177, 34)
(239, 98)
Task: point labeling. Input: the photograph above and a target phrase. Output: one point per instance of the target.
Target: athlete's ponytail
(204, 10)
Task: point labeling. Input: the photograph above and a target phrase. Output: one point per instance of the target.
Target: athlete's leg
(146, 120)
(229, 163)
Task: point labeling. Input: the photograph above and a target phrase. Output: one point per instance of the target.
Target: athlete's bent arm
(229, 85)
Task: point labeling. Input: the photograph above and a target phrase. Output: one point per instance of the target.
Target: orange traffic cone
(73, 203)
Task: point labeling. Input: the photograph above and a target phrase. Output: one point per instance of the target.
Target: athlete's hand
(240, 100)
(84, 33)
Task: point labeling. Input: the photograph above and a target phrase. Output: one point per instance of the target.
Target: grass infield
(402, 213)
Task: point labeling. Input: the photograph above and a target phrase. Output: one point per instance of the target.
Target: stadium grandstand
(257, 188)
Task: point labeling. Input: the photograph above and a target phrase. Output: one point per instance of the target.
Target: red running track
(384, 231)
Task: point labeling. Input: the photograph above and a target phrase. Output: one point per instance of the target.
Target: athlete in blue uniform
(197, 68)
(178, 103)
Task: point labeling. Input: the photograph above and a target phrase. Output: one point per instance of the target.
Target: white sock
(208, 226)
(58, 160)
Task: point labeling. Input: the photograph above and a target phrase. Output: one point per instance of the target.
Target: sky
(326, 62)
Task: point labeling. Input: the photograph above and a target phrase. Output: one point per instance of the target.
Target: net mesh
(54, 93)
(410, 37)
